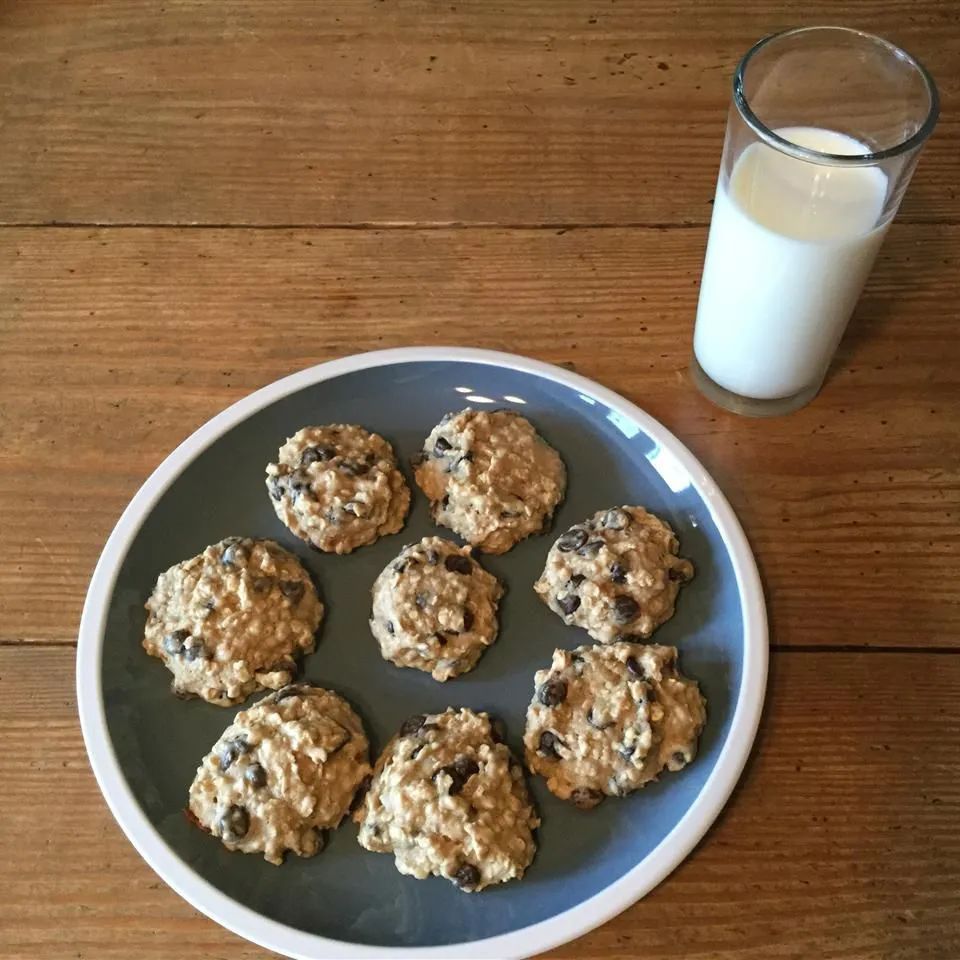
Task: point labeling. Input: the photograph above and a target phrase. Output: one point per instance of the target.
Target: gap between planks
(400, 225)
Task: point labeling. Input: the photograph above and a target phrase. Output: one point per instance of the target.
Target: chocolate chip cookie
(232, 620)
(616, 575)
(448, 798)
(338, 487)
(490, 477)
(282, 774)
(435, 609)
(605, 720)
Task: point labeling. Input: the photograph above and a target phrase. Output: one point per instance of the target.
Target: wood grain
(852, 505)
(404, 111)
(841, 841)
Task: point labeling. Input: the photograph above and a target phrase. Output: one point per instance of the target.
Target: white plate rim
(537, 937)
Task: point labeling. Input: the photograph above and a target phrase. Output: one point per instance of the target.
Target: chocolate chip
(616, 519)
(466, 767)
(595, 723)
(568, 604)
(585, 797)
(262, 584)
(634, 667)
(275, 487)
(318, 454)
(575, 537)
(441, 639)
(194, 649)
(617, 572)
(433, 558)
(467, 876)
(459, 772)
(227, 756)
(292, 590)
(445, 502)
(678, 575)
(590, 549)
(441, 447)
(353, 468)
(421, 600)
(625, 608)
(390, 627)
(552, 693)
(173, 642)
(467, 619)
(498, 730)
(235, 823)
(255, 775)
(575, 581)
(233, 553)
(548, 744)
(680, 758)
(412, 725)
(457, 563)
(210, 604)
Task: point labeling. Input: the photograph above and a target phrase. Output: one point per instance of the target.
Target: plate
(145, 745)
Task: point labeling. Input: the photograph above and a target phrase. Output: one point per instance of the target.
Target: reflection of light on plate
(513, 399)
(587, 399)
(624, 424)
(667, 465)
(476, 398)
(464, 389)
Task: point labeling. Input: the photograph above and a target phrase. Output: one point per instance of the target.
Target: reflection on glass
(587, 399)
(476, 398)
(512, 399)
(666, 464)
(464, 389)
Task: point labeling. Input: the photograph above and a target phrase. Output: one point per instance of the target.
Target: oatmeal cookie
(490, 477)
(232, 620)
(617, 575)
(448, 798)
(435, 608)
(338, 487)
(605, 720)
(282, 774)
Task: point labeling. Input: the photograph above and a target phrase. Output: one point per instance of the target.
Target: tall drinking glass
(823, 135)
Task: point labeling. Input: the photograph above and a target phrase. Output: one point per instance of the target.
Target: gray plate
(346, 893)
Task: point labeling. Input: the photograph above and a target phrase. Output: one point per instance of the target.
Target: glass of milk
(823, 135)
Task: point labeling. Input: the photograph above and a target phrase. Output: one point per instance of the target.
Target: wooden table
(197, 198)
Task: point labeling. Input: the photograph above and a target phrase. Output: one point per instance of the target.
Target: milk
(791, 245)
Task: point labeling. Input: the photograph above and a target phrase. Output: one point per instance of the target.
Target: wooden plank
(840, 841)
(115, 344)
(296, 112)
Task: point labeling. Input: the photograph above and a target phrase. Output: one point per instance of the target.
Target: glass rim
(835, 159)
